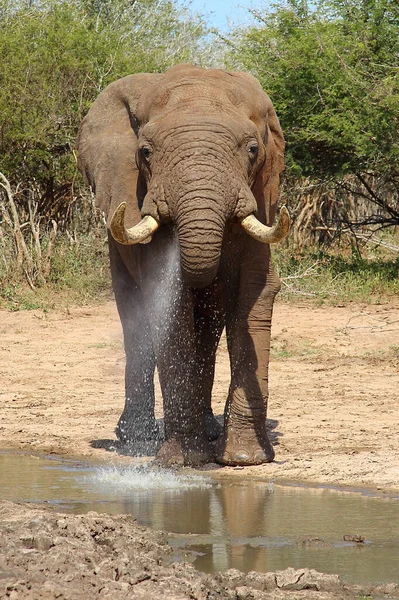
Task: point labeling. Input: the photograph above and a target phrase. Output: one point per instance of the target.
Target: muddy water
(246, 525)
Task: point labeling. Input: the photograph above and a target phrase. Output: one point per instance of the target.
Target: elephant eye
(253, 149)
(146, 152)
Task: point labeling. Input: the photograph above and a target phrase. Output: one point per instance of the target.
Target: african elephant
(180, 163)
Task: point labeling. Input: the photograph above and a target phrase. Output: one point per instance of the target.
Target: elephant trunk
(200, 226)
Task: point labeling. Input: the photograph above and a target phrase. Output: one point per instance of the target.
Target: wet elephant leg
(180, 377)
(209, 323)
(137, 425)
(170, 310)
(245, 440)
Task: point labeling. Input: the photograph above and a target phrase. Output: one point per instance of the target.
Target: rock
(62, 523)
(246, 593)
(233, 578)
(389, 589)
(358, 539)
(314, 543)
(261, 581)
(42, 542)
(307, 579)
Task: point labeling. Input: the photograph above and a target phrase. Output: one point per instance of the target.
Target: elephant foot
(237, 448)
(140, 440)
(213, 428)
(184, 452)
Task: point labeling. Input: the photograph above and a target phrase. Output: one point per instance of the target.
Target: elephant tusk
(265, 234)
(138, 234)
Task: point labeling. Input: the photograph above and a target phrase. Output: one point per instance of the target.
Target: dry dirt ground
(334, 387)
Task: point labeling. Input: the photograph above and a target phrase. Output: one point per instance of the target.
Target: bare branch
(22, 251)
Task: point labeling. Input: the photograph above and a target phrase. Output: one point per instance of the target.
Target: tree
(57, 56)
(331, 68)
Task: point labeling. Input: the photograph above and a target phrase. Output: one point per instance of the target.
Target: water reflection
(245, 525)
(265, 531)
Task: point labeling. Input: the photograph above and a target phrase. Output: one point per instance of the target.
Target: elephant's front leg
(244, 440)
(137, 426)
(186, 441)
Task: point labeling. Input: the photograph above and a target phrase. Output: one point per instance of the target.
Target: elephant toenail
(260, 456)
(242, 456)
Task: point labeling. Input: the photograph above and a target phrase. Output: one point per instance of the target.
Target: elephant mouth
(142, 232)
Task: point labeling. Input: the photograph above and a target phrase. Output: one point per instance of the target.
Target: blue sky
(218, 13)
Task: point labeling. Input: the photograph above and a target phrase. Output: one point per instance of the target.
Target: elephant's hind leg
(209, 324)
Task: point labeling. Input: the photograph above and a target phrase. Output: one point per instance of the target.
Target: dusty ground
(333, 417)
(333, 399)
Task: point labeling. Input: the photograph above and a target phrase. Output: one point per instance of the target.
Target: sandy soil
(333, 418)
(334, 389)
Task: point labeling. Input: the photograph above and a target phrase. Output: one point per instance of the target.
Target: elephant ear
(259, 108)
(107, 144)
(266, 186)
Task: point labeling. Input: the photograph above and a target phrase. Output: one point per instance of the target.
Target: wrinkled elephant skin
(185, 165)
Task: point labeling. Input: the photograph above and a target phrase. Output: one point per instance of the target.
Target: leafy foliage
(333, 75)
(331, 68)
(57, 55)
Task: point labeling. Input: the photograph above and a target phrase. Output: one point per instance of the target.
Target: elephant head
(198, 148)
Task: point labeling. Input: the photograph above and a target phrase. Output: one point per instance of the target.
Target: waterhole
(247, 525)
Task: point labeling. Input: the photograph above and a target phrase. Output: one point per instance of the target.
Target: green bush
(331, 69)
(56, 57)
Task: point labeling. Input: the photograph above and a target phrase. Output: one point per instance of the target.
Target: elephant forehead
(205, 89)
(228, 126)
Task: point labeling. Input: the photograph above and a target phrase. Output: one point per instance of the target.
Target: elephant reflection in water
(238, 512)
(217, 514)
